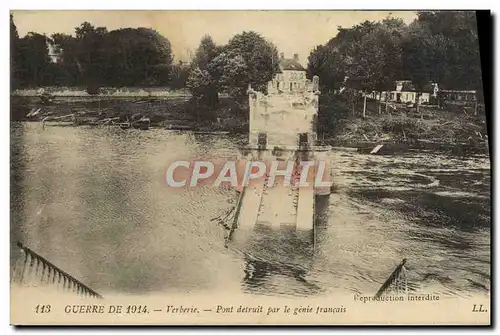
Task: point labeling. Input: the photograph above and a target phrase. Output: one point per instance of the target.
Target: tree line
(94, 57)
(438, 46)
(248, 58)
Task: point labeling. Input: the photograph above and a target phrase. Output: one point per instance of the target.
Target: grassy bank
(171, 113)
(342, 123)
(128, 92)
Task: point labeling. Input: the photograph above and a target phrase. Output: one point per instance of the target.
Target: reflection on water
(278, 261)
(93, 201)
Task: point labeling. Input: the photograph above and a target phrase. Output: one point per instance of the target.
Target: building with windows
(291, 78)
(431, 93)
(457, 97)
(405, 92)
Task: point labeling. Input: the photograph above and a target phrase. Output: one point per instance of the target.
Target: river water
(93, 201)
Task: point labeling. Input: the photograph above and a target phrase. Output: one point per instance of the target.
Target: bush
(202, 87)
(406, 128)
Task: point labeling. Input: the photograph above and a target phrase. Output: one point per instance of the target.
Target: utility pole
(364, 106)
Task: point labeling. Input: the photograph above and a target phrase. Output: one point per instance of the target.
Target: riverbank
(174, 113)
(400, 128)
(113, 92)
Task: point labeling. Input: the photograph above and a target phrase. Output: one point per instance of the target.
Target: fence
(396, 284)
(33, 269)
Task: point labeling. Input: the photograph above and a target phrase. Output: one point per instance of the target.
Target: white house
(55, 53)
(405, 92)
(291, 78)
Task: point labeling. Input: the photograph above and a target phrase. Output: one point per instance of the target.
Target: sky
(291, 31)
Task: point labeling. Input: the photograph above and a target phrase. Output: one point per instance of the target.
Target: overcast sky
(292, 31)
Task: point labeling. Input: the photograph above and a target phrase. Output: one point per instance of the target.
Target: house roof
(428, 88)
(408, 86)
(291, 64)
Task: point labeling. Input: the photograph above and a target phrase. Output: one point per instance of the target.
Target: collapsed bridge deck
(276, 206)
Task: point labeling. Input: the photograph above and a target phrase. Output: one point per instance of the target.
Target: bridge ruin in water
(282, 128)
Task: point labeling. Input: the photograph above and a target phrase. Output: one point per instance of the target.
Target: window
(262, 139)
(303, 139)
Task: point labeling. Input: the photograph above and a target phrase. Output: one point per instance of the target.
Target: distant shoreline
(178, 114)
(388, 147)
(124, 92)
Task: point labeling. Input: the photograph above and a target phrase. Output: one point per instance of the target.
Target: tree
(326, 62)
(89, 54)
(70, 71)
(369, 54)
(231, 72)
(13, 31)
(439, 46)
(179, 75)
(260, 57)
(442, 46)
(203, 78)
(202, 87)
(206, 52)
(375, 57)
(248, 58)
(34, 62)
(123, 57)
(14, 53)
(138, 56)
